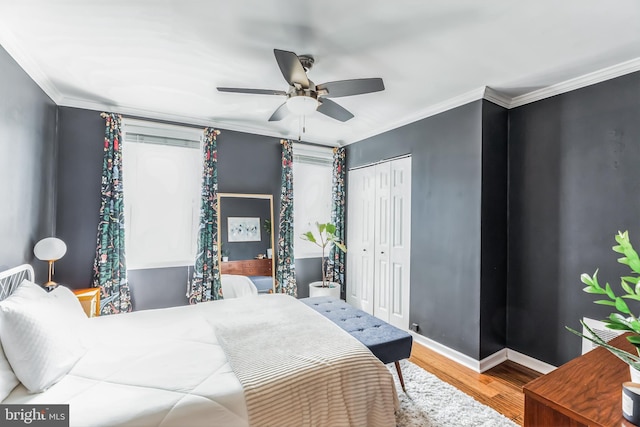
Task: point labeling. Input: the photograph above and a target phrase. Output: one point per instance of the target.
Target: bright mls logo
(35, 415)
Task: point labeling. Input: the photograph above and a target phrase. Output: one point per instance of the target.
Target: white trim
(8, 42)
(496, 97)
(599, 76)
(493, 360)
(449, 353)
(432, 110)
(529, 362)
(488, 362)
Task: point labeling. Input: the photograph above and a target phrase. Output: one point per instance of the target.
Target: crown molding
(599, 76)
(432, 110)
(497, 97)
(9, 43)
(198, 121)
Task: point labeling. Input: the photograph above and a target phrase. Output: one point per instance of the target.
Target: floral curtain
(109, 267)
(336, 260)
(286, 270)
(205, 285)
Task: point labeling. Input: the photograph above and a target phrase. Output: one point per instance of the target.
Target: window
(162, 170)
(312, 181)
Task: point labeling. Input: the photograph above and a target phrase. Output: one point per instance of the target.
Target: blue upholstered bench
(386, 342)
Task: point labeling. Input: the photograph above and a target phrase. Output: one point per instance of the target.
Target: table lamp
(50, 249)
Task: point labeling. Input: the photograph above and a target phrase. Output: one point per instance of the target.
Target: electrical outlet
(415, 327)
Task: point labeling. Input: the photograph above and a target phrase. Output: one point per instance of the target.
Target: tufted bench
(386, 342)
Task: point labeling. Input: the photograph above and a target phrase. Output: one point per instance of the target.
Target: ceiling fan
(304, 96)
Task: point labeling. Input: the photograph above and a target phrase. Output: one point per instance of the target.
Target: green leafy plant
(266, 225)
(223, 252)
(624, 319)
(325, 237)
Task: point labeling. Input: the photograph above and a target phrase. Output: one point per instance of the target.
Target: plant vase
(635, 375)
(317, 290)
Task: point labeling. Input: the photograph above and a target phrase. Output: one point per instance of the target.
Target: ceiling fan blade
(291, 68)
(334, 110)
(251, 91)
(280, 113)
(351, 87)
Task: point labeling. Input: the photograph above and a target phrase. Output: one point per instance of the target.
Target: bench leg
(400, 376)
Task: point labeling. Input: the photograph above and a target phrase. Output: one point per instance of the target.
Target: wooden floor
(499, 387)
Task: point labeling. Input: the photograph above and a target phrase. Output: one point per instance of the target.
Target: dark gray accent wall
(247, 163)
(307, 270)
(231, 207)
(493, 249)
(27, 166)
(80, 154)
(574, 182)
(446, 176)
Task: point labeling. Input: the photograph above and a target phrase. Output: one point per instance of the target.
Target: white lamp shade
(50, 249)
(302, 105)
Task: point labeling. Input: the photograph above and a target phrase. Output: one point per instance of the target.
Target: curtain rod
(194, 126)
(168, 122)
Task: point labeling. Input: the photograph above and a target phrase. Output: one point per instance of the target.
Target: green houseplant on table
(623, 319)
(325, 238)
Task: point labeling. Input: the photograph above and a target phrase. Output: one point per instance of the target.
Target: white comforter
(149, 368)
(157, 368)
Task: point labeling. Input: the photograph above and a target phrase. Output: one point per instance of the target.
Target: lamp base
(50, 285)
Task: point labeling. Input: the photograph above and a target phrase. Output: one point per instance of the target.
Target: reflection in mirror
(245, 229)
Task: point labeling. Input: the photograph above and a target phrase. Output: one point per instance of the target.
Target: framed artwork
(243, 229)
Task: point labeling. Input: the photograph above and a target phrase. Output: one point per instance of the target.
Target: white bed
(175, 367)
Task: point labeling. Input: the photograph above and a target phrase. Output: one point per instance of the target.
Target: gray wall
(79, 170)
(493, 250)
(247, 163)
(446, 176)
(27, 165)
(574, 181)
(244, 207)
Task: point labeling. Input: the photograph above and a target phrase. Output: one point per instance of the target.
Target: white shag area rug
(431, 402)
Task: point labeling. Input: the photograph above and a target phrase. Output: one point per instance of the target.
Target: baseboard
(450, 353)
(488, 362)
(529, 362)
(494, 360)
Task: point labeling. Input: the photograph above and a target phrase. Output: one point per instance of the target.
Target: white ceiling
(165, 58)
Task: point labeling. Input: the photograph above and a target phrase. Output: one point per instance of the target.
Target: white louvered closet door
(379, 240)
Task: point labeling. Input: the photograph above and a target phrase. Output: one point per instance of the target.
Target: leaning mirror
(245, 228)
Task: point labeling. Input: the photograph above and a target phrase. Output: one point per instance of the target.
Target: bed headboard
(11, 278)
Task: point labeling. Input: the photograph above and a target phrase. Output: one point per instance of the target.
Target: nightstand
(90, 300)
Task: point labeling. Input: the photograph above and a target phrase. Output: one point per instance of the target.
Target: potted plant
(623, 319)
(266, 225)
(224, 253)
(325, 237)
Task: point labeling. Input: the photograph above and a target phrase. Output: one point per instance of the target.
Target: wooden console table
(248, 267)
(586, 391)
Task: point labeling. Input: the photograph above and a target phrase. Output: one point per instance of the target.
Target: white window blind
(162, 170)
(312, 180)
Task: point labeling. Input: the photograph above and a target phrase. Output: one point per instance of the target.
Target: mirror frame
(249, 196)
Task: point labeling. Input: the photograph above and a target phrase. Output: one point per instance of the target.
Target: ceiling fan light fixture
(302, 105)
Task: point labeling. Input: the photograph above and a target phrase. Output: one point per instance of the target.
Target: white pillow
(40, 337)
(8, 379)
(69, 303)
